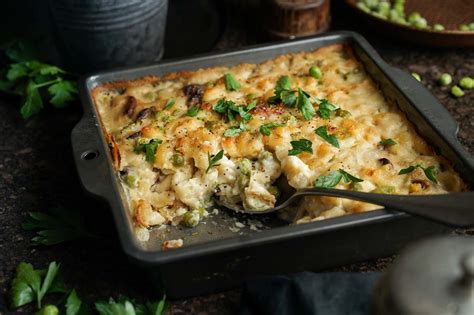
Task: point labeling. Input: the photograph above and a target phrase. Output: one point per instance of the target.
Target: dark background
(37, 171)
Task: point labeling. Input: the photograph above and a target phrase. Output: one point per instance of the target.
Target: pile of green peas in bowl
(394, 11)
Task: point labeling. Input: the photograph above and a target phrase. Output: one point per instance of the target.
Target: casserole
(219, 253)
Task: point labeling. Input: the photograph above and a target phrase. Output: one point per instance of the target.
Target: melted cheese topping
(175, 183)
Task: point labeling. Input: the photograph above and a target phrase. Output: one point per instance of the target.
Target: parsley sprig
(234, 130)
(32, 79)
(430, 172)
(323, 133)
(334, 177)
(300, 146)
(213, 159)
(149, 148)
(231, 83)
(230, 110)
(325, 108)
(31, 285)
(265, 129)
(55, 226)
(169, 103)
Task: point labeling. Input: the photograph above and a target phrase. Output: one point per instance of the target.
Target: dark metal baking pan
(214, 257)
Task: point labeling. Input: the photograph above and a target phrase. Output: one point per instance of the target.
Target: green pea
(245, 166)
(274, 190)
(400, 8)
(416, 76)
(385, 190)
(445, 79)
(191, 218)
(131, 181)
(266, 155)
(456, 91)
(48, 310)
(177, 159)
(414, 16)
(464, 27)
(420, 23)
(467, 83)
(471, 26)
(438, 27)
(363, 7)
(383, 8)
(315, 72)
(150, 96)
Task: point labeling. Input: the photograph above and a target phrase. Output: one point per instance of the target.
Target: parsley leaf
(125, 306)
(33, 102)
(283, 93)
(334, 177)
(149, 149)
(74, 305)
(304, 105)
(349, 178)
(62, 92)
(234, 130)
(56, 226)
(169, 104)
(28, 77)
(288, 98)
(299, 146)
(230, 83)
(387, 142)
(265, 129)
(430, 172)
(213, 159)
(192, 111)
(328, 181)
(323, 133)
(229, 109)
(325, 108)
(30, 284)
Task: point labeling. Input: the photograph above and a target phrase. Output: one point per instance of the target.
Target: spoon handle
(455, 209)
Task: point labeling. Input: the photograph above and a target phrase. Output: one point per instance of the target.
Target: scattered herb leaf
(192, 111)
(387, 142)
(323, 133)
(149, 149)
(283, 93)
(325, 108)
(304, 105)
(299, 146)
(55, 226)
(334, 177)
(125, 306)
(229, 109)
(234, 130)
(62, 92)
(213, 159)
(169, 104)
(265, 129)
(231, 83)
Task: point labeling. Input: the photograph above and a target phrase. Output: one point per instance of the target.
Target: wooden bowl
(449, 13)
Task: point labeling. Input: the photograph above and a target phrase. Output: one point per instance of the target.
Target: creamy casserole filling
(182, 141)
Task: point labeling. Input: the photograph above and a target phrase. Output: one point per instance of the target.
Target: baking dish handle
(91, 160)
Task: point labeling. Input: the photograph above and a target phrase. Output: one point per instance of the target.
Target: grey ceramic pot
(100, 34)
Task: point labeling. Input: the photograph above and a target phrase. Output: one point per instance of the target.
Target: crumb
(239, 225)
(171, 244)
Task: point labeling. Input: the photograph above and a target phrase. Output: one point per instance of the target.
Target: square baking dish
(220, 253)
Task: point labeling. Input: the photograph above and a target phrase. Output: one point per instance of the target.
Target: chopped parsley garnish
(387, 142)
(430, 172)
(229, 109)
(325, 108)
(234, 130)
(300, 146)
(323, 133)
(213, 159)
(304, 105)
(149, 149)
(192, 111)
(169, 104)
(334, 177)
(230, 83)
(265, 129)
(283, 93)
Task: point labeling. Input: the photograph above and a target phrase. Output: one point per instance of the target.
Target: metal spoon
(455, 209)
